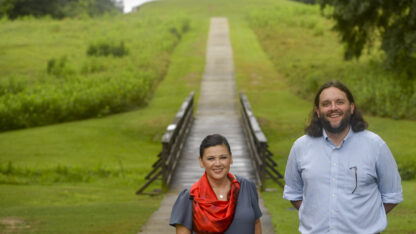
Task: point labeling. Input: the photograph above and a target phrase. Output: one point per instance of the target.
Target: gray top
(246, 212)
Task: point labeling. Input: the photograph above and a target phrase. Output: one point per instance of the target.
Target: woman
(219, 202)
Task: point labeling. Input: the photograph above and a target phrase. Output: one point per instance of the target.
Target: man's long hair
(357, 121)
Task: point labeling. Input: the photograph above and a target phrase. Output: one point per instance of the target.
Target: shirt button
(335, 164)
(333, 195)
(333, 179)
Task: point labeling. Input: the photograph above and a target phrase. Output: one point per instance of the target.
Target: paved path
(217, 113)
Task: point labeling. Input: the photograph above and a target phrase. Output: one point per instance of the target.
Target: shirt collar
(348, 136)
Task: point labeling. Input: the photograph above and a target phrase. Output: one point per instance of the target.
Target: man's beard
(342, 126)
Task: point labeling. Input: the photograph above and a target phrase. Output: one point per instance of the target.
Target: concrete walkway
(217, 113)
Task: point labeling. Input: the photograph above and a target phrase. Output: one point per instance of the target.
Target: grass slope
(283, 115)
(123, 146)
(108, 203)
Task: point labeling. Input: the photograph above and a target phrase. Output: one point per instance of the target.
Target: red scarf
(210, 215)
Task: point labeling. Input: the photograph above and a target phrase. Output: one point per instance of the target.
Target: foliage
(179, 31)
(106, 49)
(78, 85)
(10, 174)
(361, 24)
(56, 8)
(272, 60)
(80, 98)
(306, 1)
(12, 84)
(407, 170)
(282, 30)
(57, 200)
(59, 67)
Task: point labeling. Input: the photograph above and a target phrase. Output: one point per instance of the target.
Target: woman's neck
(219, 183)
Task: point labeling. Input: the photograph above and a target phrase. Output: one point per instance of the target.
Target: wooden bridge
(218, 112)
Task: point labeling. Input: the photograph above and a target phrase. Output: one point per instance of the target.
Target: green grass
(73, 209)
(125, 145)
(302, 47)
(283, 114)
(400, 220)
(105, 204)
(56, 81)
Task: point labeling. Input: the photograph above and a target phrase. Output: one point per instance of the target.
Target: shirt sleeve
(255, 201)
(293, 190)
(182, 211)
(388, 177)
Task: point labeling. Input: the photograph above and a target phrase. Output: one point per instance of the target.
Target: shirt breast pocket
(359, 177)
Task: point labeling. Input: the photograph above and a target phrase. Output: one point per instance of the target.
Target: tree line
(387, 24)
(362, 23)
(58, 9)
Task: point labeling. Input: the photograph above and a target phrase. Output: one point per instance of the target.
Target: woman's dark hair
(213, 140)
(357, 121)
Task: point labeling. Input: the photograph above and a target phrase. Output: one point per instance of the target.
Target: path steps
(217, 113)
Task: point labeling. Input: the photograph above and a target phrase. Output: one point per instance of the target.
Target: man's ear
(317, 111)
(352, 106)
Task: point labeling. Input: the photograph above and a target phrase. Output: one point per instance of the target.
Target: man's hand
(296, 204)
(388, 207)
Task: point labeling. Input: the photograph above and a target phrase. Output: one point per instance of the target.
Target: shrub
(11, 174)
(12, 85)
(78, 99)
(109, 80)
(310, 60)
(93, 65)
(407, 170)
(59, 67)
(107, 49)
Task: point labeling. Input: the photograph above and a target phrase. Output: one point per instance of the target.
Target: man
(341, 177)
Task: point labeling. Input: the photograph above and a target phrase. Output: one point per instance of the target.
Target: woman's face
(216, 161)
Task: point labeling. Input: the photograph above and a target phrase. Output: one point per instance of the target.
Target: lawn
(80, 177)
(283, 114)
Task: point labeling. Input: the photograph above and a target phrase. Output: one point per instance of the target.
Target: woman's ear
(200, 162)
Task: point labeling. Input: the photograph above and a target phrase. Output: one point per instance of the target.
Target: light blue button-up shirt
(342, 188)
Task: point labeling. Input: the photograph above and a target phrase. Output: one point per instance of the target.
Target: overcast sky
(129, 4)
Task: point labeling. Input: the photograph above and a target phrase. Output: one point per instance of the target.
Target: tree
(362, 22)
(56, 8)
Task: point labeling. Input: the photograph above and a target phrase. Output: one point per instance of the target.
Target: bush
(57, 8)
(93, 65)
(407, 170)
(296, 31)
(179, 30)
(59, 67)
(108, 80)
(12, 85)
(107, 49)
(10, 174)
(78, 99)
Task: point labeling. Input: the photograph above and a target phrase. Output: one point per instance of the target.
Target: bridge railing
(172, 143)
(258, 147)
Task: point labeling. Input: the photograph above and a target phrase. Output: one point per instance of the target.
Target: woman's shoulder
(245, 182)
(183, 199)
(182, 210)
(184, 194)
